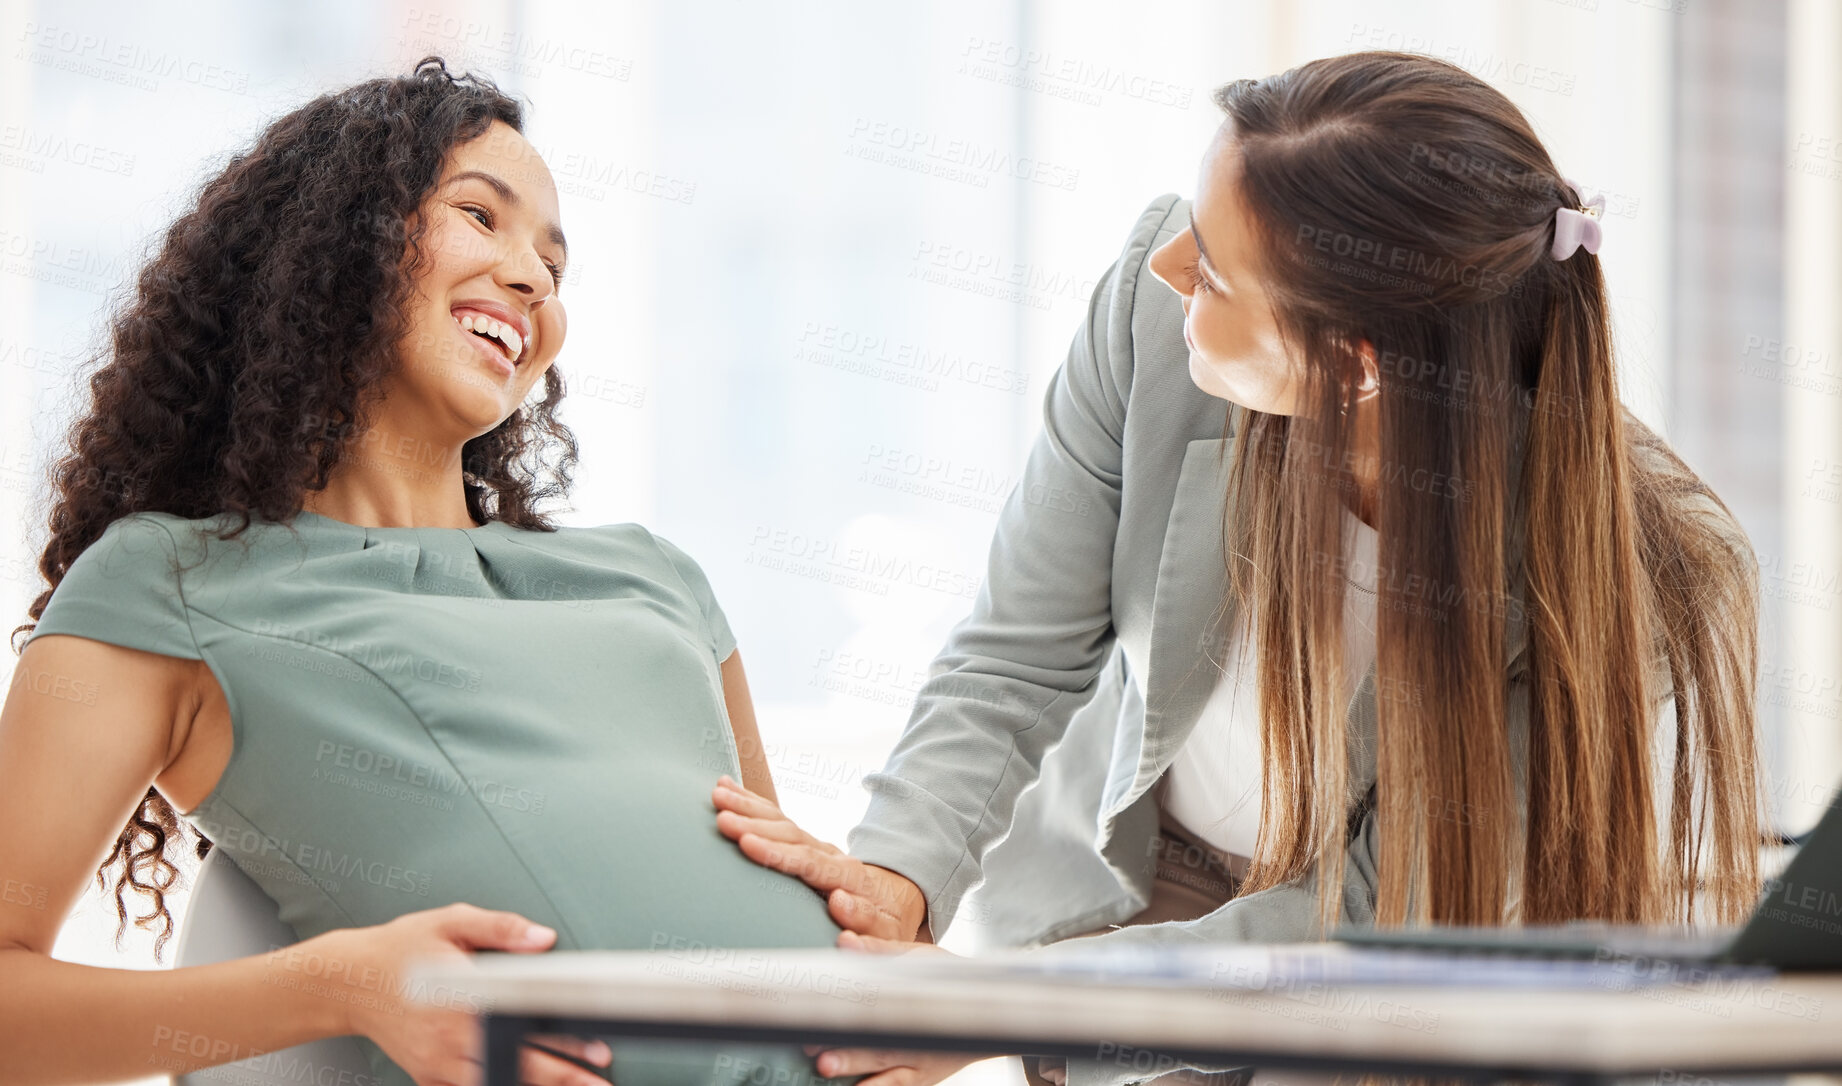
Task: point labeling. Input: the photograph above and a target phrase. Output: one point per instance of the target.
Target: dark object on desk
(1796, 926)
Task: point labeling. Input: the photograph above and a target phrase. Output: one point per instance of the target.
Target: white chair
(229, 916)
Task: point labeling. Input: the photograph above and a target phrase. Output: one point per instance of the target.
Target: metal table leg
(505, 1035)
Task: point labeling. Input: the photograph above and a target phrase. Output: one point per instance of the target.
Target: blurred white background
(825, 256)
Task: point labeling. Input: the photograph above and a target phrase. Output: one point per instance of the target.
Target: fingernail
(537, 933)
(599, 1052)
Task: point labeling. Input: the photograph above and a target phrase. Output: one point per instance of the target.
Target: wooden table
(1701, 1026)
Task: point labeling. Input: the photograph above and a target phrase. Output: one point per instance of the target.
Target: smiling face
(1235, 349)
(485, 321)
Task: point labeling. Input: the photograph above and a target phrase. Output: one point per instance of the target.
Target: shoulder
(1128, 316)
(1136, 327)
(627, 540)
(627, 546)
(1668, 488)
(625, 535)
(681, 574)
(183, 537)
(126, 588)
(634, 547)
(144, 525)
(1698, 556)
(133, 545)
(683, 566)
(1163, 218)
(183, 552)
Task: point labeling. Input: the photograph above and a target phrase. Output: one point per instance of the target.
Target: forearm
(757, 777)
(66, 1023)
(1000, 694)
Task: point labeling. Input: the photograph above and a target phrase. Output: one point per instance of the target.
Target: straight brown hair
(1399, 199)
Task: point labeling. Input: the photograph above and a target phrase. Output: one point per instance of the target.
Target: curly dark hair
(240, 370)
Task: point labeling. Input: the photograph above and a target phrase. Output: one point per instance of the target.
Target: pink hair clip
(1574, 228)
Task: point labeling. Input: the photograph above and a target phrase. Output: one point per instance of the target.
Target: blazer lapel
(1192, 584)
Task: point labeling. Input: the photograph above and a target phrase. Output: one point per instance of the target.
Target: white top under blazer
(1213, 786)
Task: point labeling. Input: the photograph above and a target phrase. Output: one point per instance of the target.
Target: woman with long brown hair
(1429, 628)
(301, 589)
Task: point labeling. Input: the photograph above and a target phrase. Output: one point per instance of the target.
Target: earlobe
(1369, 378)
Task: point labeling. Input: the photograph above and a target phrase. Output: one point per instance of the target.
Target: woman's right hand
(863, 898)
(367, 968)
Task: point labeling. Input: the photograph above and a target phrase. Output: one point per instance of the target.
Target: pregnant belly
(648, 870)
(632, 860)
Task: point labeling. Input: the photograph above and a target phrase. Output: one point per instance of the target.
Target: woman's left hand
(860, 897)
(889, 1067)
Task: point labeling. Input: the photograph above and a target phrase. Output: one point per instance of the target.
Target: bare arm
(86, 729)
(755, 773)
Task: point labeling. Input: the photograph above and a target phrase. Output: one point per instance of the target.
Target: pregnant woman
(301, 592)
(1382, 609)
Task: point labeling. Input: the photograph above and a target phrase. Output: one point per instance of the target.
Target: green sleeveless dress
(522, 720)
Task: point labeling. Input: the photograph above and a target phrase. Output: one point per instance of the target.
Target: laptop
(1796, 926)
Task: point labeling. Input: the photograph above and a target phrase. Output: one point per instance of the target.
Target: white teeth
(513, 341)
(504, 333)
